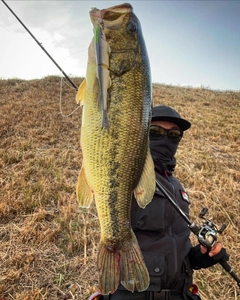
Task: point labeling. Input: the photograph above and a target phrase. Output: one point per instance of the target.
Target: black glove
(199, 260)
(222, 255)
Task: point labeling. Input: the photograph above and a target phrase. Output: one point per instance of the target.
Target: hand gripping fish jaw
(103, 73)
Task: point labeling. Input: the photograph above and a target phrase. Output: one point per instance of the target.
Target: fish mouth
(111, 16)
(112, 12)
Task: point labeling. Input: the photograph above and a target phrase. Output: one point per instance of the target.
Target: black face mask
(163, 151)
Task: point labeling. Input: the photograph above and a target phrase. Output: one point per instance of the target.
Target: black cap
(166, 113)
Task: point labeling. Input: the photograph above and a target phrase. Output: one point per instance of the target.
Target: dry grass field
(48, 244)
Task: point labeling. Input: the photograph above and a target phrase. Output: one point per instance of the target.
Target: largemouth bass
(117, 98)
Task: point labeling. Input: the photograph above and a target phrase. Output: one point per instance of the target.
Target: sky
(190, 43)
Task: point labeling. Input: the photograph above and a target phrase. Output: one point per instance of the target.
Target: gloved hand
(217, 252)
(222, 255)
(201, 257)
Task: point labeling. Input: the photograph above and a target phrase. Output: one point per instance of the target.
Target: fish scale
(115, 145)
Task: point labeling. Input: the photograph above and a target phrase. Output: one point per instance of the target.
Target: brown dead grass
(48, 244)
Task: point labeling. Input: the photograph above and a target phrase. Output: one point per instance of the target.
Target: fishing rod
(207, 233)
(67, 77)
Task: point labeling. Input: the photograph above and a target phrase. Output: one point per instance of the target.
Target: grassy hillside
(48, 244)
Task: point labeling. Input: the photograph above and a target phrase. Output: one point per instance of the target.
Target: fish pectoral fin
(125, 265)
(146, 187)
(83, 191)
(81, 93)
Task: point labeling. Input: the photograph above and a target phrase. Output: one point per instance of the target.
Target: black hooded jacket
(162, 233)
(163, 237)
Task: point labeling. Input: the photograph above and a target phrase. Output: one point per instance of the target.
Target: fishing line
(9, 30)
(76, 53)
(66, 76)
(40, 45)
(60, 101)
(25, 38)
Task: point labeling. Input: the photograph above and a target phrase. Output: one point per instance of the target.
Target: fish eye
(131, 26)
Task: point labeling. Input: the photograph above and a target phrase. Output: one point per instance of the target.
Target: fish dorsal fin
(81, 94)
(146, 186)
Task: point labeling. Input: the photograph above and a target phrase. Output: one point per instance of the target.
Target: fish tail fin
(126, 266)
(108, 264)
(134, 273)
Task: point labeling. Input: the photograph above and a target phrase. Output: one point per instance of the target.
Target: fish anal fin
(83, 191)
(146, 187)
(81, 93)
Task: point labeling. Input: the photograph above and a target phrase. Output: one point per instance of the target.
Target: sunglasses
(157, 131)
